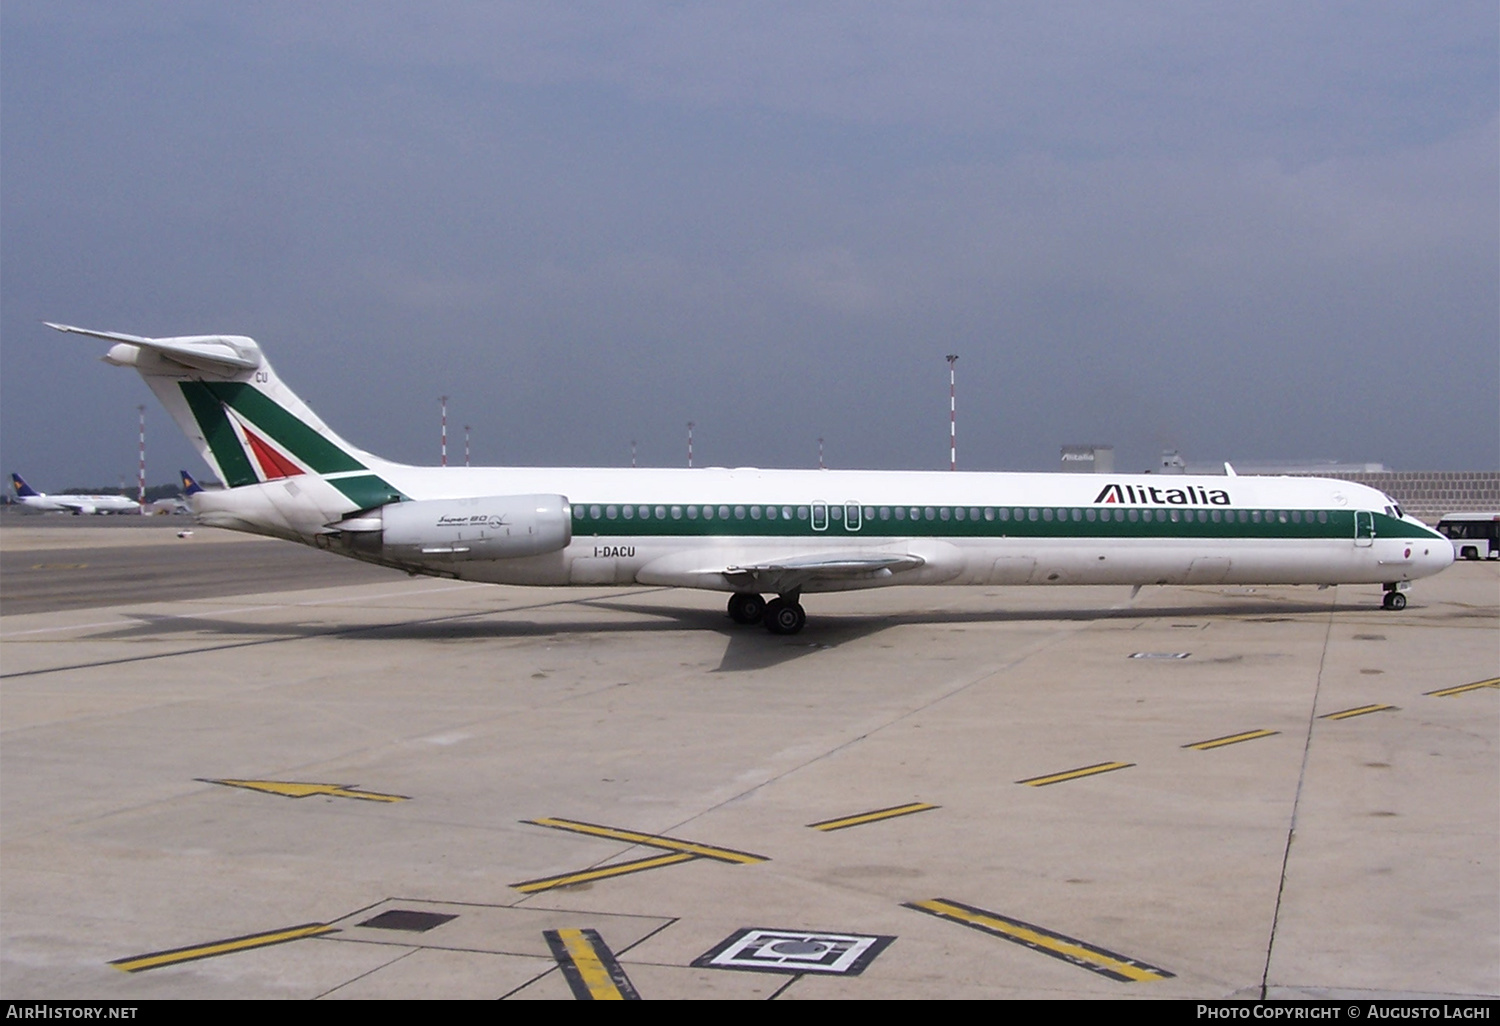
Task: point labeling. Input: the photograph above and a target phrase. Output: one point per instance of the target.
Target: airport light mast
(141, 473)
(952, 412)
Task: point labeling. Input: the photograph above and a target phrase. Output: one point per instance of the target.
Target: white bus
(1474, 535)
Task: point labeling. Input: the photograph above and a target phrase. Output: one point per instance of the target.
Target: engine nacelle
(492, 527)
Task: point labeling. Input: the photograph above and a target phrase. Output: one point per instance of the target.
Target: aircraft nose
(1433, 554)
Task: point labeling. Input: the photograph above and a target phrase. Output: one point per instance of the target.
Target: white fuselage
(78, 503)
(963, 528)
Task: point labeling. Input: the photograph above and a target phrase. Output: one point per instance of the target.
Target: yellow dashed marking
(872, 817)
(1361, 711)
(1074, 774)
(1493, 682)
(1230, 739)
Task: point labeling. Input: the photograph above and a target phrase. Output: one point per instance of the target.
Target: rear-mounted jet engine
(444, 530)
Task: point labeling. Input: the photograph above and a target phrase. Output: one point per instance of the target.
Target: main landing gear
(1393, 600)
(782, 615)
(746, 607)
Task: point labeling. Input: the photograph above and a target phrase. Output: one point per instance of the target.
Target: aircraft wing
(790, 574)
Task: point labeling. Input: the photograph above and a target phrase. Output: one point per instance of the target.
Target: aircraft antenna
(141, 472)
(952, 412)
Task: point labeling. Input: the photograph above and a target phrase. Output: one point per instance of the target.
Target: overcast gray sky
(1253, 231)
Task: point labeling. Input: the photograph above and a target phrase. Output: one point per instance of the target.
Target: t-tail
(286, 473)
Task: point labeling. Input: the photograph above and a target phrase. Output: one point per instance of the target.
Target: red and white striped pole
(466, 445)
(632, 454)
(690, 444)
(141, 474)
(952, 413)
(443, 400)
(820, 455)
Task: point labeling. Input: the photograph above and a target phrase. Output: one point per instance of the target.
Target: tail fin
(189, 486)
(246, 424)
(23, 489)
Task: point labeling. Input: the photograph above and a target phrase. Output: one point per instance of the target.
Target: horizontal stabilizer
(218, 354)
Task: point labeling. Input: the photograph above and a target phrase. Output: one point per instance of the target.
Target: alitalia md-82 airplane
(752, 532)
(75, 504)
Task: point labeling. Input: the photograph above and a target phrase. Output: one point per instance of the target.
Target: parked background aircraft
(747, 531)
(76, 504)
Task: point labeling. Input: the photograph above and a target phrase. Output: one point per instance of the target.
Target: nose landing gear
(1394, 599)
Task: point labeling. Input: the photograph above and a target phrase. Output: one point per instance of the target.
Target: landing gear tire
(1394, 600)
(783, 617)
(746, 607)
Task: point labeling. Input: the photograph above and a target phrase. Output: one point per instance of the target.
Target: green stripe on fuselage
(367, 490)
(1338, 525)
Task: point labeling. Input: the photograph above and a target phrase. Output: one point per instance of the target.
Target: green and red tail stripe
(254, 439)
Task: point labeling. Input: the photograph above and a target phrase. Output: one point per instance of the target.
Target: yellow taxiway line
(300, 789)
(157, 959)
(589, 966)
(651, 840)
(602, 872)
(1085, 956)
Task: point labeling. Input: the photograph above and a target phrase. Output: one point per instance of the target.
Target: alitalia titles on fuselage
(1142, 495)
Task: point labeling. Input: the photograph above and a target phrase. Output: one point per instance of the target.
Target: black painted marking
(407, 919)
